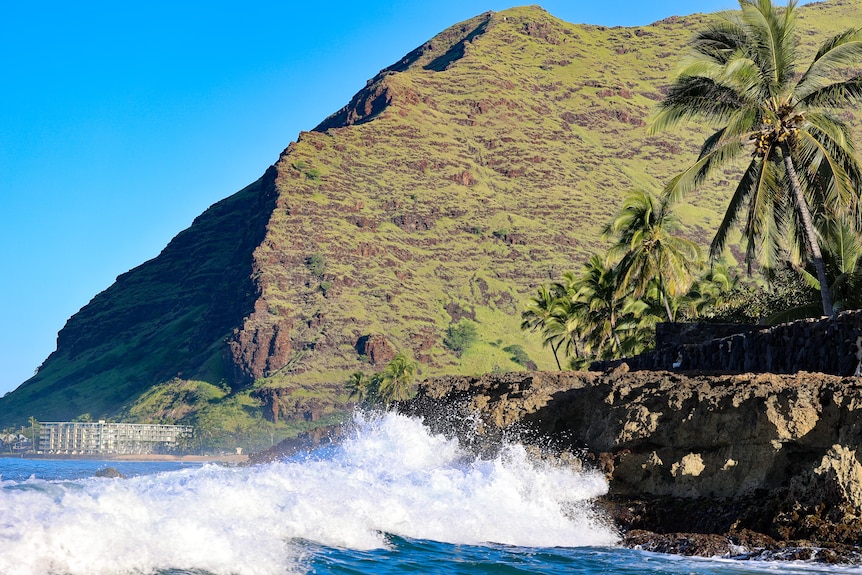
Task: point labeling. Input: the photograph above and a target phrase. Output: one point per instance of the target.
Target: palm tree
(396, 379)
(539, 315)
(361, 386)
(843, 257)
(708, 291)
(566, 325)
(650, 251)
(741, 74)
(570, 316)
(34, 425)
(844, 260)
(598, 290)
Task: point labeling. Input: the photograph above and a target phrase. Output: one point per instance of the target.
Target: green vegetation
(802, 175)
(519, 355)
(461, 336)
(651, 256)
(803, 180)
(610, 309)
(455, 199)
(316, 263)
(223, 420)
(750, 303)
(392, 384)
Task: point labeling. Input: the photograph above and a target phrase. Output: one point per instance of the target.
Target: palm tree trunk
(810, 236)
(619, 343)
(664, 299)
(667, 308)
(613, 321)
(556, 358)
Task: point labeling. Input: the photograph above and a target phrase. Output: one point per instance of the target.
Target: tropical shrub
(316, 264)
(461, 336)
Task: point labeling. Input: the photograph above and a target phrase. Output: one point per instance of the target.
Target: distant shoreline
(141, 457)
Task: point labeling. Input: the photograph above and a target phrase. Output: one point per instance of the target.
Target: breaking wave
(389, 477)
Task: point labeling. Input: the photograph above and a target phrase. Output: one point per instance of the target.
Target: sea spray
(388, 477)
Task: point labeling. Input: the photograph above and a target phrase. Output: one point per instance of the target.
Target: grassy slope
(547, 121)
(477, 175)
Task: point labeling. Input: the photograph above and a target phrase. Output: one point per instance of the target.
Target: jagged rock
(772, 454)
(110, 472)
(260, 347)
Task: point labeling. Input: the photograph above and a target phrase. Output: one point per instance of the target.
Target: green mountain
(482, 164)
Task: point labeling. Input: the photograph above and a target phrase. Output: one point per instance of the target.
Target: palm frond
(844, 247)
(760, 220)
(711, 143)
(743, 124)
(771, 43)
(834, 95)
(695, 174)
(719, 42)
(841, 51)
(737, 201)
(695, 97)
(834, 186)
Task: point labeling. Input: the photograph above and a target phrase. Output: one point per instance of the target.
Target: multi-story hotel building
(75, 438)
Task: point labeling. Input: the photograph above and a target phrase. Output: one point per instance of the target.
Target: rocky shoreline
(745, 466)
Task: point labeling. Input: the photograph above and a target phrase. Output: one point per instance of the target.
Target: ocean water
(390, 498)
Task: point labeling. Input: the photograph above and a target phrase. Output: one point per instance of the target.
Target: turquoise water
(390, 498)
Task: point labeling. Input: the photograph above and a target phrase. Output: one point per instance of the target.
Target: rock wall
(677, 334)
(826, 345)
(776, 454)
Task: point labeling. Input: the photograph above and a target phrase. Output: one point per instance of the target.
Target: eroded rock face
(708, 454)
(376, 347)
(260, 347)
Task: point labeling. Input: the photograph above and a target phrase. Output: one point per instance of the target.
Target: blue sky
(122, 121)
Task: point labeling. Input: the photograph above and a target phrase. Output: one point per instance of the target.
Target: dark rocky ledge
(823, 345)
(734, 465)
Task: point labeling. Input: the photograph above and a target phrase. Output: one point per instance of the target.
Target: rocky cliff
(766, 460)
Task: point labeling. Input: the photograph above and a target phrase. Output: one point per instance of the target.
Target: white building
(73, 438)
(14, 442)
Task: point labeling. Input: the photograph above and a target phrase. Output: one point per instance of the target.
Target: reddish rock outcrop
(376, 348)
(261, 347)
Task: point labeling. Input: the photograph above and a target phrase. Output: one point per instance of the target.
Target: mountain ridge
(482, 164)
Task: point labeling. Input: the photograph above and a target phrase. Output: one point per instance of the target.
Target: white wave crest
(391, 475)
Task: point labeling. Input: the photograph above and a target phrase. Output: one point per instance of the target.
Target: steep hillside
(481, 165)
(165, 318)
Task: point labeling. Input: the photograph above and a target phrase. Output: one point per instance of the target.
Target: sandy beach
(227, 458)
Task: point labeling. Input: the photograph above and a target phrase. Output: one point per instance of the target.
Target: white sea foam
(390, 476)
